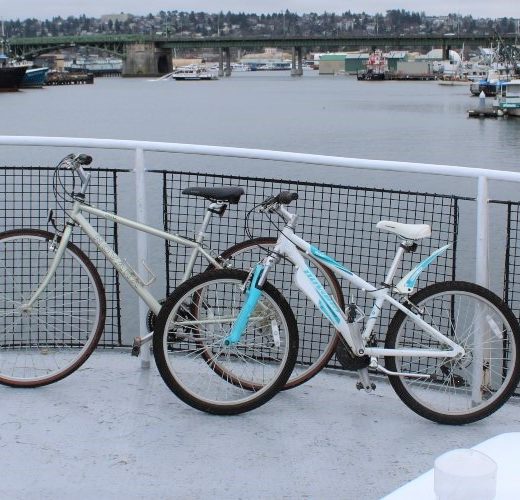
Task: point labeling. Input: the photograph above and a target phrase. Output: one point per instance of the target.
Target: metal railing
(481, 176)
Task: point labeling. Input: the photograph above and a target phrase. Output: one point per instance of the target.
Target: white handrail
(263, 154)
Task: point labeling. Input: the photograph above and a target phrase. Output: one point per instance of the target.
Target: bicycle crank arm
(138, 342)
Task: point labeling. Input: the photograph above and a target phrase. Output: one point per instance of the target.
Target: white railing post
(482, 278)
(142, 246)
(482, 243)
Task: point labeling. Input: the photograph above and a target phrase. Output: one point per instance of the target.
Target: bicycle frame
(287, 246)
(133, 279)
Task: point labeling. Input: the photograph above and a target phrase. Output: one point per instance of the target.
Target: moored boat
(193, 74)
(34, 78)
(491, 86)
(375, 68)
(10, 76)
(509, 98)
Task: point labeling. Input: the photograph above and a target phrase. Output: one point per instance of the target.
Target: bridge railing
(482, 177)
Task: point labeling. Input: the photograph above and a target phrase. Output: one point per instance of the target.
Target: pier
(487, 112)
(69, 79)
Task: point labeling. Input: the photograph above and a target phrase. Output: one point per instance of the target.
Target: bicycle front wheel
(469, 387)
(194, 360)
(48, 341)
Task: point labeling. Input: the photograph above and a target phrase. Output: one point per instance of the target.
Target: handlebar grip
(285, 197)
(83, 159)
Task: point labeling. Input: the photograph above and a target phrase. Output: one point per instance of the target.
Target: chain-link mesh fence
(27, 200)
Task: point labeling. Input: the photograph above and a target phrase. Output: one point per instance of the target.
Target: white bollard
(482, 100)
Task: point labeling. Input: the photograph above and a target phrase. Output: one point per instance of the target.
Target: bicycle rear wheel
(318, 339)
(464, 389)
(58, 333)
(193, 359)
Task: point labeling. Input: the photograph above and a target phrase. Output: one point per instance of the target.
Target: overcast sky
(46, 9)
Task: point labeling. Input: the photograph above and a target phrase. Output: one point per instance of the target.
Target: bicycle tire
(318, 339)
(461, 311)
(46, 343)
(182, 351)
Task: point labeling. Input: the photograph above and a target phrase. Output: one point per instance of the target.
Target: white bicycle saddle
(406, 231)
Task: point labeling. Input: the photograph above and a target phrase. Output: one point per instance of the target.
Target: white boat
(450, 82)
(509, 99)
(240, 67)
(193, 73)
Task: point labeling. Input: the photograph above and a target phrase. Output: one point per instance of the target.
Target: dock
(69, 78)
(487, 112)
(410, 77)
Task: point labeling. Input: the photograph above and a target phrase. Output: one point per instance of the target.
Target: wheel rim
(44, 343)
(470, 383)
(206, 369)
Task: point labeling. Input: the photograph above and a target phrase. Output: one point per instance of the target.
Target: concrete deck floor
(114, 431)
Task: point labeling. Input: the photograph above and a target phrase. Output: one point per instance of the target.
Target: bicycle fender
(407, 283)
(253, 296)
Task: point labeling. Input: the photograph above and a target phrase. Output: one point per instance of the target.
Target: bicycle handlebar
(75, 161)
(83, 159)
(282, 198)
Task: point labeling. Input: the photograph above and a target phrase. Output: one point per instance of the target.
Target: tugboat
(376, 67)
(10, 76)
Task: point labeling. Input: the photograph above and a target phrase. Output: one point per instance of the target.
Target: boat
(34, 78)
(376, 67)
(451, 81)
(509, 98)
(193, 73)
(240, 67)
(491, 85)
(10, 76)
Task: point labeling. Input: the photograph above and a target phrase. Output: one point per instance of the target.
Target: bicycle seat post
(214, 208)
(395, 263)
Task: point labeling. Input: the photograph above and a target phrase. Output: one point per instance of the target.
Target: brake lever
(269, 208)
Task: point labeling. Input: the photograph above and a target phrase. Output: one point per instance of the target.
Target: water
(408, 121)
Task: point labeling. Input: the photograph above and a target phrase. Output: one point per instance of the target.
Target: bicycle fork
(253, 294)
(64, 240)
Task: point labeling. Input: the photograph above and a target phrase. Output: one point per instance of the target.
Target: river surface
(408, 121)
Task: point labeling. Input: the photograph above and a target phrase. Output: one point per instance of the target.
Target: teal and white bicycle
(226, 340)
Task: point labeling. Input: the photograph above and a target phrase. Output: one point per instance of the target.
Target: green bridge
(148, 55)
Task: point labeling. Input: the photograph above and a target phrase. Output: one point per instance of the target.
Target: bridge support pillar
(297, 65)
(145, 59)
(224, 52)
(446, 51)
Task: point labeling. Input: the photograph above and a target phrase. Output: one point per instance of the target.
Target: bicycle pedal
(136, 346)
(369, 388)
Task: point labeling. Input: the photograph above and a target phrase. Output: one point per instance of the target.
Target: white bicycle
(52, 299)
(451, 351)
